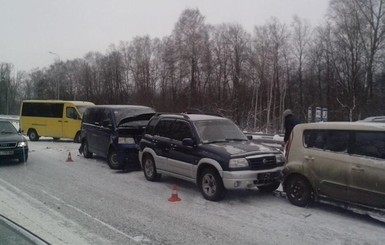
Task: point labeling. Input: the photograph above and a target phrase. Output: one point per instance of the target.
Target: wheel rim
(209, 184)
(297, 190)
(114, 159)
(32, 135)
(149, 168)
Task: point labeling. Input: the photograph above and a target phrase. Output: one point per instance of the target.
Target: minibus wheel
(32, 134)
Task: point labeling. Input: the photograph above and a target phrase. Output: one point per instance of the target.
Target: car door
(328, 161)
(367, 174)
(71, 122)
(105, 131)
(181, 158)
(162, 142)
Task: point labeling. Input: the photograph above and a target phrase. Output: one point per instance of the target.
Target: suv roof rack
(198, 111)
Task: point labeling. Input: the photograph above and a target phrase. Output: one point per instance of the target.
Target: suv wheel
(86, 150)
(269, 188)
(33, 136)
(149, 169)
(299, 191)
(77, 138)
(112, 160)
(211, 185)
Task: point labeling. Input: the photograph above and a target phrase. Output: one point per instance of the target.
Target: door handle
(309, 158)
(66, 121)
(59, 120)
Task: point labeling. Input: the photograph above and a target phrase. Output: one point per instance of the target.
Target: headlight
(280, 158)
(122, 140)
(22, 144)
(238, 163)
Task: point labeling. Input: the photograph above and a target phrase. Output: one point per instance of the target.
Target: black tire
(56, 139)
(149, 169)
(33, 136)
(269, 188)
(86, 150)
(211, 185)
(77, 138)
(112, 160)
(298, 191)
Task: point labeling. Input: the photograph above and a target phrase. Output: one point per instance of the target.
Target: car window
(370, 144)
(331, 140)
(7, 128)
(163, 128)
(181, 130)
(218, 130)
(71, 113)
(151, 125)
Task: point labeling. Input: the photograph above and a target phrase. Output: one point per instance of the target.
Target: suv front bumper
(248, 179)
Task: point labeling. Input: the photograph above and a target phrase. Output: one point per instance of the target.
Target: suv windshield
(218, 130)
(7, 128)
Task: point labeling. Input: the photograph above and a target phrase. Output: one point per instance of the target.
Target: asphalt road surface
(84, 202)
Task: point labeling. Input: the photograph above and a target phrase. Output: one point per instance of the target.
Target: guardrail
(275, 141)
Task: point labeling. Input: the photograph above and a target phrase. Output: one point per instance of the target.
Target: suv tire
(86, 150)
(269, 188)
(299, 191)
(211, 185)
(149, 169)
(112, 160)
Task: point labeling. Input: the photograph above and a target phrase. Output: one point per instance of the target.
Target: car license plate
(6, 153)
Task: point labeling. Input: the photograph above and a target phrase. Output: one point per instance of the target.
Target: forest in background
(248, 77)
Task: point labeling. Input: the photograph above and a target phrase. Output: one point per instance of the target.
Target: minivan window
(42, 109)
(71, 113)
(370, 144)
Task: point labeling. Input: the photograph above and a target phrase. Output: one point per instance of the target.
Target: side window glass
(315, 139)
(181, 130)
(370, 144)
(105, 118)
(71, 113)
(163, 128)
(337, 141)
(151, 126)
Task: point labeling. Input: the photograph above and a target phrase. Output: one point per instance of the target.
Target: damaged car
(114, 132)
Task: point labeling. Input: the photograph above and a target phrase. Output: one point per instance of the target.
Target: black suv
(210, 151)
(114, 132)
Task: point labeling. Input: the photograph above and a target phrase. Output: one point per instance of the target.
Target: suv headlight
(22, 144)
(123, 140)
(280, 158)
(238, 163)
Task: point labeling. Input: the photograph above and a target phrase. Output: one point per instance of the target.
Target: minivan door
(71, 122)
(367, 173)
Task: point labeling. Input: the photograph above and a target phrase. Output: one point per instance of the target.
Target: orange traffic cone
(69, 159)
(174, 196)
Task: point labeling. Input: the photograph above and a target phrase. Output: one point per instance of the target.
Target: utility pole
(57, 79)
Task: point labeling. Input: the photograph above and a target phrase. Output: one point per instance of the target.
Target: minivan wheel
(211, 185)
(33, 136)
(86, 150)
(112, 160)
(149, 169)
(299, 191)
(269, 188)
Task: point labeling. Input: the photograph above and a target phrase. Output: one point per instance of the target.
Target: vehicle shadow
(9, 163)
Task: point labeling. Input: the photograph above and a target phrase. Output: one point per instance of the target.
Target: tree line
(248, 77)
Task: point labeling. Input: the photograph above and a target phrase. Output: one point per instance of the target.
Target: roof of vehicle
(359, 125)
(60, 101)
(192, 117)
(374, 119)
(122, 106)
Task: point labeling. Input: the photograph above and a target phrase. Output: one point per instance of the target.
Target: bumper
(249, 179)
(128, 154)
(16, 153)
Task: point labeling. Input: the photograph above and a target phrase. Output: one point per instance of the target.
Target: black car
(13, 145)
(114, 132)
(210, 151)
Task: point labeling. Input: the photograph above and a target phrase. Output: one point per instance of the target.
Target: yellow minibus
(52, 118)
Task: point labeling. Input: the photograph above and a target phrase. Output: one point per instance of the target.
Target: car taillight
(287, 146)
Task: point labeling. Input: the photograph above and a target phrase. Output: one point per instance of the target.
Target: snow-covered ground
(84, 202)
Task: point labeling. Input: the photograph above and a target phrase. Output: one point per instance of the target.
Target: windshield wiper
(215, 141)
(236, 139)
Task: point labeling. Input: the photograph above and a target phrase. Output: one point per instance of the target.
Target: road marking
(136, 238)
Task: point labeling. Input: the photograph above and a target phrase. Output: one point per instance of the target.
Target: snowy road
(84, 202)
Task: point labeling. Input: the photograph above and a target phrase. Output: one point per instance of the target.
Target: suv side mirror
(188, 142)
(249, 137)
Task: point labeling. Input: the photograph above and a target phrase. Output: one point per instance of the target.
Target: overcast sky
(30, 29)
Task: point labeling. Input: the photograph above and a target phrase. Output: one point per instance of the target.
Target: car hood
(11, 138)
(239, 148)
(140, 117)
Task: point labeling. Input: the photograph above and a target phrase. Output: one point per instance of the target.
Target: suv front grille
(7, 145)
(262, 162)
